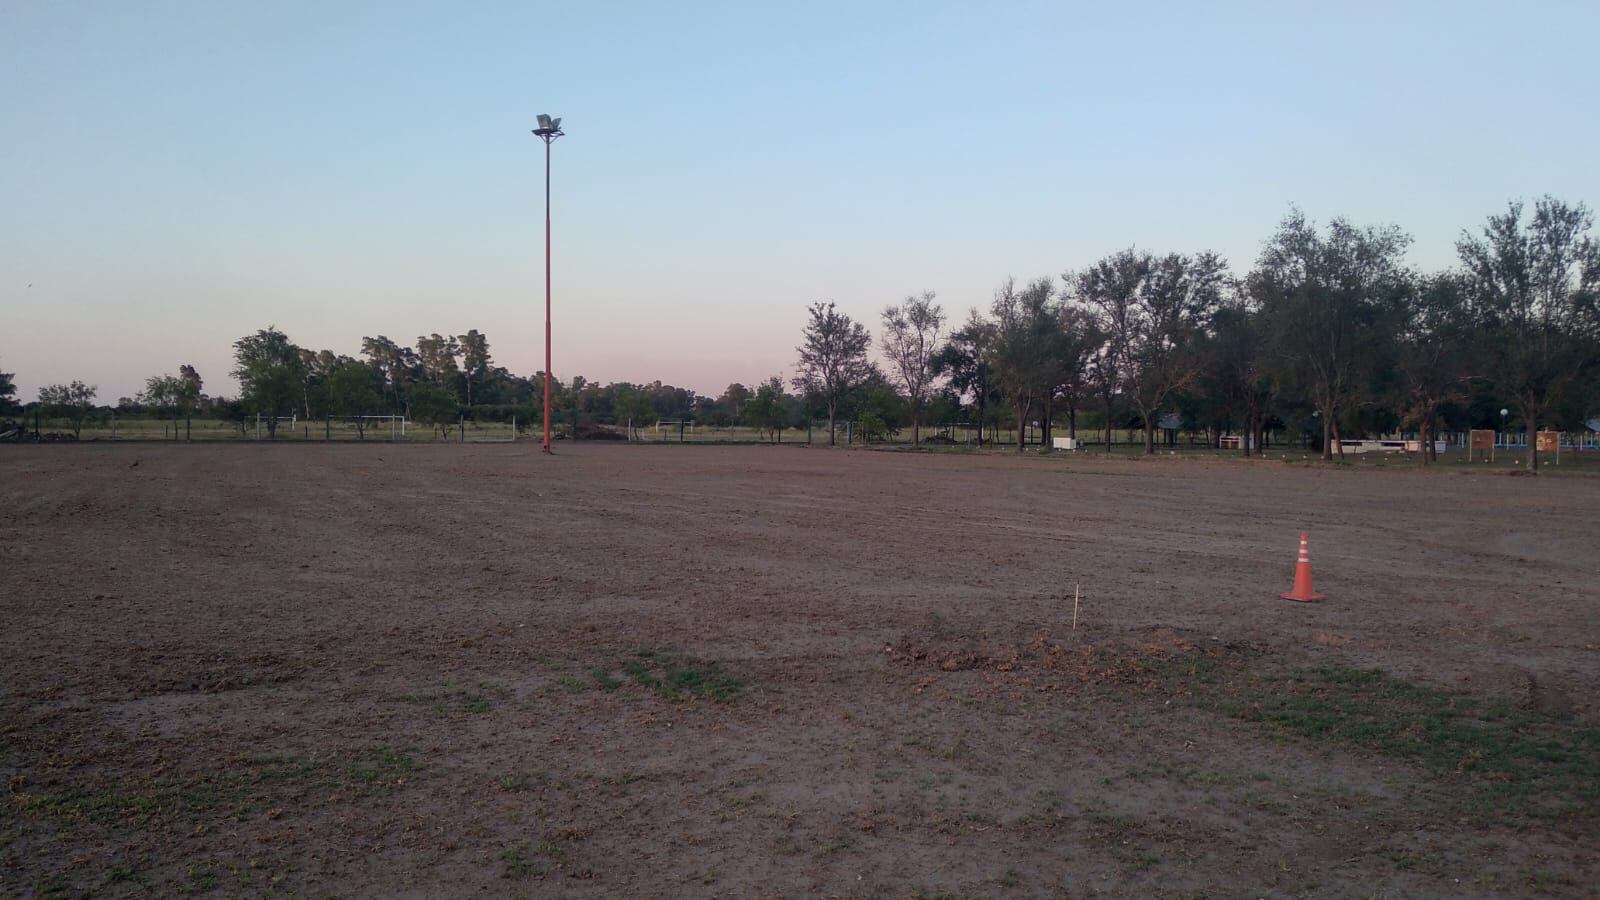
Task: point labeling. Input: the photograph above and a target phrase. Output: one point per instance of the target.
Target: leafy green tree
(633, 408)
(1174, 301)
(1077, 337)
(399, 367)
(269, 370)
(437, 355)
(193, 385)
(1534, 288)
(1108, 292)
(1331, 302)
(734, 398)
(1238, 376)
(833, 360)
(175, 395)
(475, 362)
(768, 410)
(354, 390)
(72, 401)
(434, 405)
(911, 341)
(964, 360)
(8, 394)
(880, 409)
(1022, 351)
(1434, 333)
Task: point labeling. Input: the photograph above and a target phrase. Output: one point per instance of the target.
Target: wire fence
(398, 429)
(392, 429)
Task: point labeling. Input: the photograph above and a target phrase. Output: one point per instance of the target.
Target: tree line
(1330, 328)
(1329, 334)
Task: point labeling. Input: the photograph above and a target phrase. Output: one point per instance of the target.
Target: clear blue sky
(175, 175)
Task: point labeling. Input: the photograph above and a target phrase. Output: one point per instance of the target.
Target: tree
(1238, 376)
(8, 394)
(733, 400)
(69, 401)
(1175, 299)
(175, 394)
(1077, 337)
(353, 390)
(1533, 290)
(879, 409)
(767, 409)
(1330, 302)
(833, 360)
(633, 408)
(399, 367)
(270, 374)
(1433, 334)
(964, 360)
(192, 381)
(1108, 291)
(475, 361)
(911, 340)
(437, 356)
(434, 405)
(1022, 352)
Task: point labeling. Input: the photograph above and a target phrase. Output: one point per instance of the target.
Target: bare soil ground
(762, 671)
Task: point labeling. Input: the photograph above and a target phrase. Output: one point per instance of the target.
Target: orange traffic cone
(1302, 577)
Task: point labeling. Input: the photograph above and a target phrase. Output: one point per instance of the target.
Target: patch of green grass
(200, 878)
(524, 861)
(382, 766)
(247, 781)
(454, 699)
(124, 872)
(519, 863)
(520, 782)
(1501, 762)
(675, 678)
(52, 887)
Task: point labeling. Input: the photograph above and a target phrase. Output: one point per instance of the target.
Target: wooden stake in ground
(1076, 587)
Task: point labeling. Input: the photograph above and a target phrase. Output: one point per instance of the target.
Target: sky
(174, 176)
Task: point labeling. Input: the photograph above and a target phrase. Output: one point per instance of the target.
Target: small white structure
(1385, 446)
(1064, 443)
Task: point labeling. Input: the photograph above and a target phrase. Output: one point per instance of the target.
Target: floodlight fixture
(549, 128)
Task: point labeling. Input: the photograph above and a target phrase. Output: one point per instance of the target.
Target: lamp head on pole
(549, 128)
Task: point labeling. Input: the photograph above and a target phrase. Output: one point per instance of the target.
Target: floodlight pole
(548, 131)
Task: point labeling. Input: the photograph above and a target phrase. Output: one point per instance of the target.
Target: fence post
(327, 429)
(680, 431)
(463, 429)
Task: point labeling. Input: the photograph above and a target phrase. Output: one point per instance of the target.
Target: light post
(549, 129)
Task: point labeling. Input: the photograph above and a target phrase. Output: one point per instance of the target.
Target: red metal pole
(547, 295)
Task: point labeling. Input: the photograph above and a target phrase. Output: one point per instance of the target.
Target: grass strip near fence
(1495, 761)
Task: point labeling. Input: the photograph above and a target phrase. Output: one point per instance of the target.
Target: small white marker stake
(1075, 592)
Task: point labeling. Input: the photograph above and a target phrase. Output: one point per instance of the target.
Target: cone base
(1303, 598)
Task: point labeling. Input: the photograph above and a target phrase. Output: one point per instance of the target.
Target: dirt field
(763, 671)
